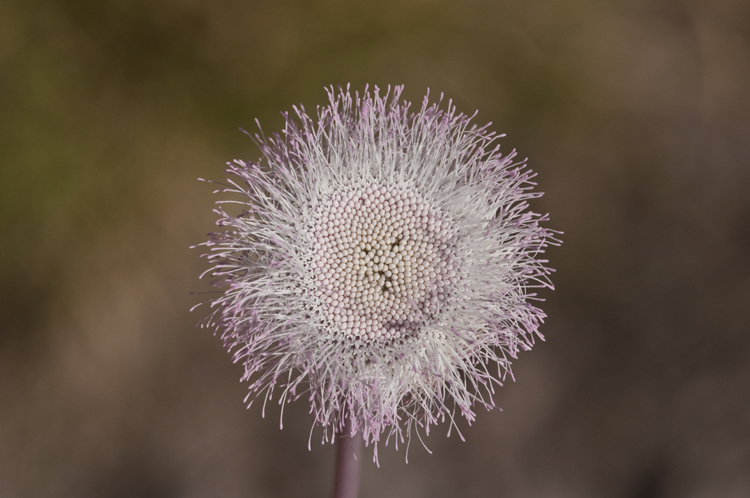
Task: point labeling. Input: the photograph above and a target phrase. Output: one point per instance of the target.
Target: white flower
(382, 265)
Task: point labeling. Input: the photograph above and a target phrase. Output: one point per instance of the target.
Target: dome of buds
(381, 264)
(384, 262)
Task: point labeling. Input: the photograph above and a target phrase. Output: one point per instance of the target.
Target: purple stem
(348, 458)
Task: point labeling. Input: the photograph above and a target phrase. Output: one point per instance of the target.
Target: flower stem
(348, 458)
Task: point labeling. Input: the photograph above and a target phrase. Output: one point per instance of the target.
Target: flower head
(381, 266)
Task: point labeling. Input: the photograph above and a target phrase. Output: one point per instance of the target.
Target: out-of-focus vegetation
(635, 115)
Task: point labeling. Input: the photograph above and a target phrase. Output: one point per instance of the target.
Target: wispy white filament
(382, 266)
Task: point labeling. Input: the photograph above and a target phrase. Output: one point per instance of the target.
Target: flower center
(384, 262)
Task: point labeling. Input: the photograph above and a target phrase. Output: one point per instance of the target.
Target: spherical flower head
(382, 265)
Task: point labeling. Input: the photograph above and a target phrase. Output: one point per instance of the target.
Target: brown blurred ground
(634, 113)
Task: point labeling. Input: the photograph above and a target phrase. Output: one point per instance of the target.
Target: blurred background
(635, 114)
